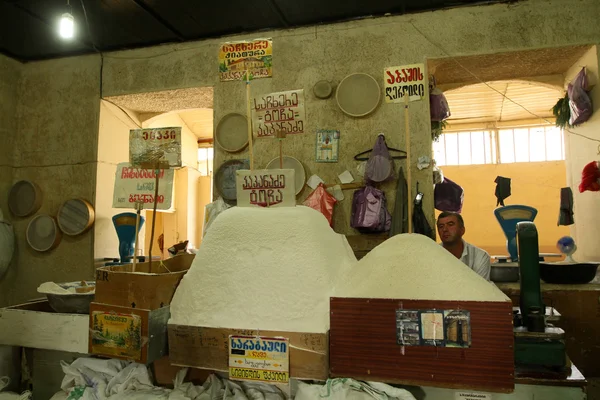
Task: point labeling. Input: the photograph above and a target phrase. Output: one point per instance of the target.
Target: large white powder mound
(414, 267)
(267, 269)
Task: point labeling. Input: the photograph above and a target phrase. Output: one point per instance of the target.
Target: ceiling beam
(159, 19)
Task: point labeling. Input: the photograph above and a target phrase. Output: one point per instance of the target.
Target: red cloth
(321, 201)
(590, 178)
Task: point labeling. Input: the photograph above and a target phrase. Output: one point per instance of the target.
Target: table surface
(575, 379)
(549, 287)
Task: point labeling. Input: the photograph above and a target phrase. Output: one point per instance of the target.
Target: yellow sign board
(262, 359)
(255, 57)
(117, 334)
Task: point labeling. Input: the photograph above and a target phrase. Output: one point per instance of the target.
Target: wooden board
(207, 348)
(363, 346)
(35, 325)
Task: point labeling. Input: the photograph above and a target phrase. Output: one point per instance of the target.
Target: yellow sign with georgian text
(262, 359)
(256, 57)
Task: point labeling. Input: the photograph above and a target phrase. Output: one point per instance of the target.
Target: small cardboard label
(266, 188)
(262, 359)
(135, 184)
(472, 396)
(117, 334)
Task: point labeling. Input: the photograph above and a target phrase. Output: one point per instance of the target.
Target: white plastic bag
(349, 389)
(4, 382)
(211, 211)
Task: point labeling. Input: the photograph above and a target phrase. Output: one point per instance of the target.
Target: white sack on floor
(349, 389)
(4, 382)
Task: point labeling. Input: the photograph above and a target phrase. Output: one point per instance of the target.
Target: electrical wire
(447, 54)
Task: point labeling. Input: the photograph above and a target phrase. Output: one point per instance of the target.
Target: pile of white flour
(412, 266)
(268, 269)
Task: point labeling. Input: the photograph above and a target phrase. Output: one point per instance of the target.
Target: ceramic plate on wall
(358, 95)
(232, 133)
(225, 178)
(43, 233)
(291, 163)
(24, 198)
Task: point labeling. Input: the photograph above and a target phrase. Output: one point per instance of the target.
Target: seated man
(451, 229)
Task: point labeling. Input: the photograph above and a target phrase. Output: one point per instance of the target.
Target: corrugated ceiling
(480, 103)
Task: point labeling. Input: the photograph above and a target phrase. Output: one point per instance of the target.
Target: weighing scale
(509, 217)
(125, 226)
(538, 344)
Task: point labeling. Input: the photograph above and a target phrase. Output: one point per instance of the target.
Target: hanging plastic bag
(590, 178)
(580, 102)
(321, 201)
(438, 106)
(369, 211)
(448, 196)
(380, 166)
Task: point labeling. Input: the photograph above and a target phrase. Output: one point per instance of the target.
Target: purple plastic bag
(580, 102)
(438, 105)
(380, 166)
(369, 211)
(448, 196)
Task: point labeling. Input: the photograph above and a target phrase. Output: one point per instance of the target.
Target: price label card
(261, 359)
(136, 184)
(158, 147)
(472, 396)
(266, 188)
(407, 80)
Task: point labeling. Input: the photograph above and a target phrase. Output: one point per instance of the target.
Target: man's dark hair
(459, 217)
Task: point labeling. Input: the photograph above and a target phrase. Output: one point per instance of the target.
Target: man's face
(450, 230)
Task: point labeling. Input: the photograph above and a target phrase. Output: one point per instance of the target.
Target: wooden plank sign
(149, 148)
(136, 184)
(407, 80)
(266, 188)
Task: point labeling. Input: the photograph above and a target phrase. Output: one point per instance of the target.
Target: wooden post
(138, 207)
(408, 164)
(280, 135)
(249, 118)
(157, 173)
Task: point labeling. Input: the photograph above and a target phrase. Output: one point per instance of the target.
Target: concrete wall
(304, 56)
(56, 147)
(10, 71)
(532, 184)
(113, 148)
(59, 100)
(579, 152)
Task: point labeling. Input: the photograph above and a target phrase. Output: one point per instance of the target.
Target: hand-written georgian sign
(254, 56)
(156, 146)
(281, 111)
(408, 80)
(259, 359)
(266, 188)
(135, 184)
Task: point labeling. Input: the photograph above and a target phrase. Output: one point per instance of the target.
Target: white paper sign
(314, 181)
(149, 147)
(266, 188)
(472, 396)
(405, 80)
(281, 111)
(135, 184)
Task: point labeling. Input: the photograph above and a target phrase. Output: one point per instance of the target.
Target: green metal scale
(538, 345)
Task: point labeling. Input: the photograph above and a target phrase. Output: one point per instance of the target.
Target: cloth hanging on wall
(420, 223)
(400, 216)
(502, 189)
(565, 214)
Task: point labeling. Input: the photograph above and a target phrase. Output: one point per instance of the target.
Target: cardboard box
(128, 333)
(37, 326)
(147, 288)
(207, 348)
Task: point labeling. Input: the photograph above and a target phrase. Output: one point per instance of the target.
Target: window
(205, 161)
(530, 144)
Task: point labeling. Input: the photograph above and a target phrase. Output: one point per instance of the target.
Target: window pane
(507, 153)
(439, 154)
(478, 154)
(554, 144)
(537, 144)
(521, 145)
(464, 148)
(451, 149)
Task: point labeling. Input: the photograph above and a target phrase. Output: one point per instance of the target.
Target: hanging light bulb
(66, 27)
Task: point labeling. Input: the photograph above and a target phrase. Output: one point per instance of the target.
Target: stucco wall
(58, 109)
(579, 152)
(56, 147)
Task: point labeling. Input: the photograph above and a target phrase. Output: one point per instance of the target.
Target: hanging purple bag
(438, 106)
(369, 211)
(380, 166)
(448, 196)
(580, 102)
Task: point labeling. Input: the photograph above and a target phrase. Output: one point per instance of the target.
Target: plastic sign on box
(266, 188)
(262, 359)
